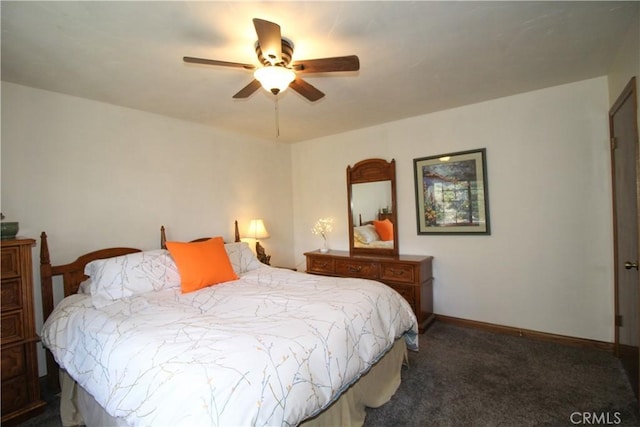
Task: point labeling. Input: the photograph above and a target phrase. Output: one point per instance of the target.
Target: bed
(271, 346)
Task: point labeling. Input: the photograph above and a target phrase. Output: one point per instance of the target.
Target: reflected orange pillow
(201, 264)
(384, 229)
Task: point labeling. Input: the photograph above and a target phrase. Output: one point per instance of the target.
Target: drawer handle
(397, 272)
(354, 269)
(322, 264)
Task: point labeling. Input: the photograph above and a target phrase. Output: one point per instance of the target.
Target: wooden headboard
(163, 236)
(73, 273)
(381, 217)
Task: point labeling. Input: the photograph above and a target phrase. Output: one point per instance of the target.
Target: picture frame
(452, 193)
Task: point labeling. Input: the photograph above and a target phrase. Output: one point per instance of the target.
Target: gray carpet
(467, 377)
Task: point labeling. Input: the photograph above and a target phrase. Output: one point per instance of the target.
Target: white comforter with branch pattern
(272, 348)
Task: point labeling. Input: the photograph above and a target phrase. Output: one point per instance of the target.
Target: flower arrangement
(321, 228)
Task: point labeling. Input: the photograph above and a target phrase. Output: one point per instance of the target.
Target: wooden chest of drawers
(409, 275)
(19, 370)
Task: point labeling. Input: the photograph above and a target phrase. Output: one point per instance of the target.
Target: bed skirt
(375, 388)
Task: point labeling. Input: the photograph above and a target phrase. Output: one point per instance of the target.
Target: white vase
(325, 247)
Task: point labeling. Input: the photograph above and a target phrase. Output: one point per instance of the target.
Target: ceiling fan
(277, 72)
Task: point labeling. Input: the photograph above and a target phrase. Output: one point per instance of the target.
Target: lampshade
(257, 229)
(274, 78)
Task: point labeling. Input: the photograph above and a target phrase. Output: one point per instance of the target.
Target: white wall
(547, 264)
(94, 175)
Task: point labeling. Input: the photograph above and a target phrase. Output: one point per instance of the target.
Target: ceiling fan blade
(216, 62)
(248, 90)
(327, 65)
(305, 89)
(270, 40)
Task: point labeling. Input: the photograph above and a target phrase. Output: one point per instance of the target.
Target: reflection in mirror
(370, 199)
(372, 207)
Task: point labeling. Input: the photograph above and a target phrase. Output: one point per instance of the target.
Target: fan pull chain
(277, 118)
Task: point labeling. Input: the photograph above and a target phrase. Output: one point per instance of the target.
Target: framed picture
(452, 193)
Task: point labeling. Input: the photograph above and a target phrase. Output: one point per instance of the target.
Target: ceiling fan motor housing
(287, 54)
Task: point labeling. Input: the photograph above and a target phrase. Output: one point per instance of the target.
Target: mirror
(371, 193)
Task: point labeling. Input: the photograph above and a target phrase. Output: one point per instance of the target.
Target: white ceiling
(415, 57)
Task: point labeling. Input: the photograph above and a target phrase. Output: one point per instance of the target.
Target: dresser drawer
(322, 265)
(10, 294)
(396, 272)
(407, 292)
(10, 262)
(15, 394)
(11, 327)
(13, 361)
(356, 268)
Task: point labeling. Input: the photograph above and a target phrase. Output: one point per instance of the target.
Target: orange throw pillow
(201, 264)
(384, 229)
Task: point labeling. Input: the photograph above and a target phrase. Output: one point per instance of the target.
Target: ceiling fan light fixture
(276, 72)
(274, 78)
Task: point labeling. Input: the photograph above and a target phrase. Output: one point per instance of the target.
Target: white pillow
(132, 274)
(365, 234)
(242, 257)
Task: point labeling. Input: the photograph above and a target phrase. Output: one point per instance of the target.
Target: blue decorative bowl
(8, 230)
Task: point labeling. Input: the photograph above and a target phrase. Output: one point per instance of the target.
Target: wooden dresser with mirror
(373, 251)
